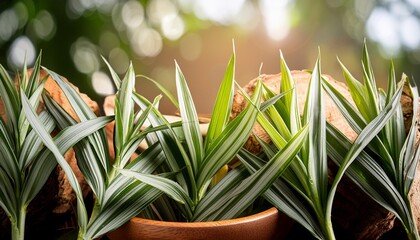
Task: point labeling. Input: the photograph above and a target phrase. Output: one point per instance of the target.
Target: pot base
(269, 224)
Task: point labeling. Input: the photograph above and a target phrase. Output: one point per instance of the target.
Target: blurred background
(74, 34)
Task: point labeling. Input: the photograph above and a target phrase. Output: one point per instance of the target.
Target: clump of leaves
(303, 192)
(117, 198)
(385, 170)
(177, 162)
(189, 194)
(25, 163)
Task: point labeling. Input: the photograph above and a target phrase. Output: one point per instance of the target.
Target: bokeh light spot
(415, 4)
(22, 13)
(220, 11)
(108, 41)
(102, 84)
(276, 18)
(382, 27)
(44, 25)
(117, 18)
(21, 50)
(9, 23)
(363, 8)
(172, 27)
(410, 32)
(132, 14)
(146, 42)
(157, 10)
(85, 56)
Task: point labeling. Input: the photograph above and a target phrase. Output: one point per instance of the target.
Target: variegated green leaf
(190, 124)
(314, 153)
(229, 142)
(164, 184)
(10, 99)
(223, 104)
(49, 143)
(261, 180)
(363, 139)
(290, 101)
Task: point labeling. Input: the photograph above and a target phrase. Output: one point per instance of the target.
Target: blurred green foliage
(73, 34)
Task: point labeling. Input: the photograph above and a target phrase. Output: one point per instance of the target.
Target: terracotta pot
(269, 224)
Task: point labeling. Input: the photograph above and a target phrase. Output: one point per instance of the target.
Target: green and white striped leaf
(217, 196)
(366, 173)
(114, 75)
(357, 123)
(222, 107)
(314, 153)
(256, 184)
(363, 139)
(126, 105)
(33, 144)
(190, 124)
(8, 200)
(164, 184)
(117, 212)
(10, 99)
(283, 197)
(230, 141)
(22, 123)
(49, 143)
(9, 160)
(290, 101)
(170, 145)
(409, 154)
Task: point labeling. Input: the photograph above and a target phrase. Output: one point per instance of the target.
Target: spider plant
(25, 164)
(190, 195)
(385, 169)
(117, 198)
(177, 162)
(302, 192)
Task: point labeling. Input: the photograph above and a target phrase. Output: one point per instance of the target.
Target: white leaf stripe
(49, 143)
(190, 121)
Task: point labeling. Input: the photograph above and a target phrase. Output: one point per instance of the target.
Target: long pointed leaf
(290, 101)
(190, 122)
(373, 128)
(49, 142)
(223, 104)
(314, 152)
(251, 188)
(10, 99)
(230, 140)
(282, 197)
(367, 174)
(169, 187)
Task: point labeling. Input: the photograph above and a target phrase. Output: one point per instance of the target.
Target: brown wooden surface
(266, 225)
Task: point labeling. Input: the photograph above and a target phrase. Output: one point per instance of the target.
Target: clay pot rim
(251, 218)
